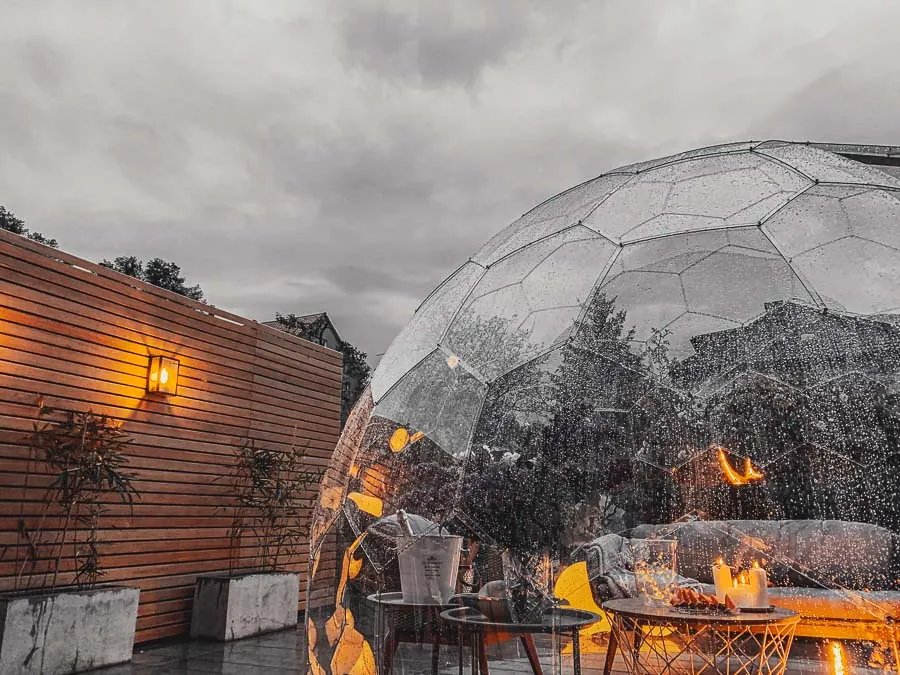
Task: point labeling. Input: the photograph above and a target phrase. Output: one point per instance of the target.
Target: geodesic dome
(707, 343)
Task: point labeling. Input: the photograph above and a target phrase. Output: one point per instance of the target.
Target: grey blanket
(611, 568)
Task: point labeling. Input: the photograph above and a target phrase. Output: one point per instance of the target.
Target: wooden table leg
(611, 647)
(528, 643)
(473, 647)
(435, 657)
(482, 655)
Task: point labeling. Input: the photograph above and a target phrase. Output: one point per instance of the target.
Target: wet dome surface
(713, 336)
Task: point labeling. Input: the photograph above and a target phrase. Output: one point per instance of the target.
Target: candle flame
(756, 564)
(720, 561)
(838, 659)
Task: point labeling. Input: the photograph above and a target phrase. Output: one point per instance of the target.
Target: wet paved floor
(274, 653)
(283, 652)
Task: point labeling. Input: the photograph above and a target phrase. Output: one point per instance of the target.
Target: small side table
(698, 642)
(561, 620)
(399, 621)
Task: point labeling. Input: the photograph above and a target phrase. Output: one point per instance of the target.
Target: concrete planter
(235, 607)
(67, 631)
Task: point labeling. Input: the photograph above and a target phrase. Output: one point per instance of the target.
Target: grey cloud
(44, 64)
(346, 157)
(434, 43)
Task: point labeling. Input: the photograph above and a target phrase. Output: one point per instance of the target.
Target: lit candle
(722, 579)
(739, 593)
(759, 586)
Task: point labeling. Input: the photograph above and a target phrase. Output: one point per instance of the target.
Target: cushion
(610, 567)
(819, 603)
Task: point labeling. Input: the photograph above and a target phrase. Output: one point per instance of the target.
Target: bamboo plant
(270, 489)
(84, 454)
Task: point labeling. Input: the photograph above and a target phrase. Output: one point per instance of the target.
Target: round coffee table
(695, 642)
(560, 621)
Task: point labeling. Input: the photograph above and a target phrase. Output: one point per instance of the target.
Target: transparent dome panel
(437, 398)
(814, 218)
(870, 275)
(555, 215)
(875, 215)
(698, 194)
(711, 358)
(827, 167)
(700, 152)
(528, 301)
(423, 333)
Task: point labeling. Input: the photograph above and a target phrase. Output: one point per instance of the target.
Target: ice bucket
(429, 565)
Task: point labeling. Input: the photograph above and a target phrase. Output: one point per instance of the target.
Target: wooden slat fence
(80, 335)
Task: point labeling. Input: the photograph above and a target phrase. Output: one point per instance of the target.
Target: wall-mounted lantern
(162, 375)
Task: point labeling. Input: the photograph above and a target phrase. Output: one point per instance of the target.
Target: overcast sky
(301, 156)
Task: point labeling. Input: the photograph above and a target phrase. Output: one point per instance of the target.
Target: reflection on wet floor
(282, 653)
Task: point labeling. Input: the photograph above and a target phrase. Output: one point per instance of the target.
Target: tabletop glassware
(654, 569)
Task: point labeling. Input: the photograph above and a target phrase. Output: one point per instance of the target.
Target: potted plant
(269, 491)
(59, 619)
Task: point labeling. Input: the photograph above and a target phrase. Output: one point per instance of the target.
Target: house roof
(308, 319)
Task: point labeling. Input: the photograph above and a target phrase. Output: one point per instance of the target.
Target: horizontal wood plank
(80, 336)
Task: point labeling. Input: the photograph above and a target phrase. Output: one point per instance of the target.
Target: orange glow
(750, 473)
(352, 654)
(732, 475)
(838, 659)
(162, 375)
(330, 498)
(399, 440)
(367, 504)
